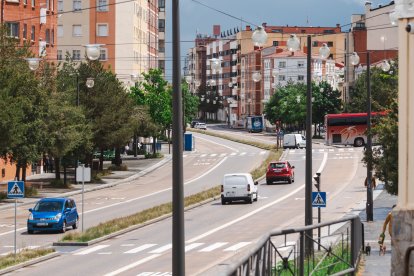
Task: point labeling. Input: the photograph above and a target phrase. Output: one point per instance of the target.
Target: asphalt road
(214, 232)
(203, 169)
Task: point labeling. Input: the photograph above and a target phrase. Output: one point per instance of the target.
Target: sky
(197, 18)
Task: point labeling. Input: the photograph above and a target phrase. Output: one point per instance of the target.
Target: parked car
(280, 171)
(53, 214)
(201, 126)
(238, 186)
(193, 123)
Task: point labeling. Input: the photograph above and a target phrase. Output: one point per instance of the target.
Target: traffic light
(317, 178)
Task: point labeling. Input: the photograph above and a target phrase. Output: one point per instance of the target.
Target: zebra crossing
(153, 248)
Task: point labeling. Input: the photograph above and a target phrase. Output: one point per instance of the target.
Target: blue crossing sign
(15, 189)
(318, 199)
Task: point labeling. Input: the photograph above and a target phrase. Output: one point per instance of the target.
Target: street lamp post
(178, 242)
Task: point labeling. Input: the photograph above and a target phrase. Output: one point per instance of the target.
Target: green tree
(383, 90)
(385, 155)
(23, 104)
(190, 102)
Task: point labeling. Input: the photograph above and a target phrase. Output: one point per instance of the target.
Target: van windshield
(235, 180)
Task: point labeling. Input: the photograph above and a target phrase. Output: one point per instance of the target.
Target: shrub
(58, 183)
(153, 155)
(3, 195)
(30, 191)
(122, 167)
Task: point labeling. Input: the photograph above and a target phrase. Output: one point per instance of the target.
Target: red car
(280, 171)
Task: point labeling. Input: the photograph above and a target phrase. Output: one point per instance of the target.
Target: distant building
(33, 22)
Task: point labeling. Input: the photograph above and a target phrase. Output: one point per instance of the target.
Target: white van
(294, 140)
(238, 186)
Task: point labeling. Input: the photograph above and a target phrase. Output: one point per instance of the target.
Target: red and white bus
(348, 128)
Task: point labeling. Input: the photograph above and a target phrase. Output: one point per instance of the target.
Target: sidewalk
(137, 167)
(374, 264)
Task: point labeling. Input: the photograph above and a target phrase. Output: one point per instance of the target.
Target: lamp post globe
(134, 77)
(93, 51)
(259, 36)
(385, 66)
(324, 51)
(354, 58)
(33, 63)
(197, 83)
(393, 18)
(256, 76)
(90, 82)
(215, 64)
(293, 43)
(188, 79)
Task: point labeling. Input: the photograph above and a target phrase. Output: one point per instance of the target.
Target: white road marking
(233, 149)
(331, 150)
(162, 249)
(213, 246)
(192, 246)
(243, 153)
(233, 154)
(105, 253)
(127, 267)
(155, 274)
(92, 249)
(203, 155)
(213, 154)
(128, 244)
(237, 246)
(223, 154)
(262, 152)
(140, 248)
(299, 198)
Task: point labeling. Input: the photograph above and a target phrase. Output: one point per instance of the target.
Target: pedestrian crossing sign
(15, 189)
(318, 199)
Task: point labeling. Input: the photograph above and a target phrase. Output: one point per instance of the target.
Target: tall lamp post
(293, 44)
(178, 242)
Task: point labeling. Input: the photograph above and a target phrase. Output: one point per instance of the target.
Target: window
(330, 44)
(76, 30)
(103, 54)
(77, 5)
(282, 64)
(48, 4)
(12, 29)
(328, 31)
(60, 31)
(102, 5)
(275, 43)
(47, 36)
(315, 43)
(161, 25)
(102, 30)
(301, 77)
(33, 3)
(282, 77)
(60, 5)
(33, 33)
(301, 64)
(76, 55)
(53, 37)
(161, 5)
(25, 2)
(25, 31)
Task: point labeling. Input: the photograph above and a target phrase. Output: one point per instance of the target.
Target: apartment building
(241, 59)
(33, 22)
(128, 31)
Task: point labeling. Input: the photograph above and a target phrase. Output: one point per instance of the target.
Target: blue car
(53, 214)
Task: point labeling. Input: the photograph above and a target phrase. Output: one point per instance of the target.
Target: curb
(29, 262)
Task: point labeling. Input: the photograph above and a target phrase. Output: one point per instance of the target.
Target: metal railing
(282, 252)
(407, 259)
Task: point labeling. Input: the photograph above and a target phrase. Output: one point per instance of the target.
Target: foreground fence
(335, 252)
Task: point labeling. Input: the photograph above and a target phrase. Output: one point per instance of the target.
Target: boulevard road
(215, 232)
(203, 169)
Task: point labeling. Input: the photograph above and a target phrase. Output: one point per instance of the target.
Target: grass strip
(118, 224)
(23, 256)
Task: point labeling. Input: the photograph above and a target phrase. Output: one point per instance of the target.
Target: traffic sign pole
(83, 190)
(15, 226)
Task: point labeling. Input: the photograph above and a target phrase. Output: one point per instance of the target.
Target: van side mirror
(30, 210)
(256, 183)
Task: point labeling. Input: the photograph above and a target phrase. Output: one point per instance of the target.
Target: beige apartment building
(128, 31)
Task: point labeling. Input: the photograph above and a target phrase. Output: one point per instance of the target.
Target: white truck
(238, 186)
(294, 141)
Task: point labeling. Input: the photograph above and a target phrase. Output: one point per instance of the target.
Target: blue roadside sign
(15, 189)
(318, 199)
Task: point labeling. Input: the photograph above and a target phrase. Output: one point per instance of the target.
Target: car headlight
(31, 216)
(58, 216)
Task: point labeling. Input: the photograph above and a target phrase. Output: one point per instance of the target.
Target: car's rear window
(235, 180)
(48, 206)
(277, 165)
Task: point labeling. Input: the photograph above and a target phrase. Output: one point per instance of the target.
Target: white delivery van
(294, 140)
(238, 186)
